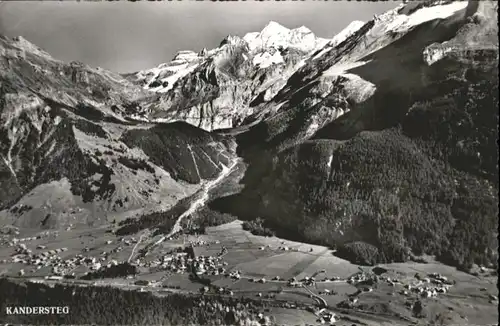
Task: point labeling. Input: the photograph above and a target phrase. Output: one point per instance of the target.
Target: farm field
(265, 265)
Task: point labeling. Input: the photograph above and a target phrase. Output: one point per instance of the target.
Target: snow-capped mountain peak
(273, 28)
(303, 29)
(276, 35)
(261, 46)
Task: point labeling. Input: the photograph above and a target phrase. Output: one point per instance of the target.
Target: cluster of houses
(50, 252)
(424, 291)
(175, 262)
(358, 278)
(16, 240)
(306, 281)
(294, 283)
(183, 262)
(128, 242)
(202, 243)
(258, 280)
(221, 290)
(439, 279)
(209, 265)
(64, 267)
(21, 249)
(25, 256)
(283, 247)
(235, 275)
(59, 266)
(428, 287)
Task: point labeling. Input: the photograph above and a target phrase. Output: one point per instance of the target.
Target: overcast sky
(130, 36)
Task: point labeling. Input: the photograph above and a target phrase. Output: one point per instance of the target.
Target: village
(215, 267)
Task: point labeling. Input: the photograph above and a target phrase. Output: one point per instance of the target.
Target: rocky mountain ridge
(226, 80)
(69, 154)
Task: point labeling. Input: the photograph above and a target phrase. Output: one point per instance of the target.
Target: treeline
(206, 217)
(111, 306)
(163, 221)
(256, 227)
(136, 164)
(120, 270)
(390, 195)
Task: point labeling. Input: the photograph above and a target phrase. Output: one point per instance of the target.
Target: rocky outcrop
(436, 52)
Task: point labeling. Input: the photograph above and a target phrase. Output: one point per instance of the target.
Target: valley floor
(268, 269)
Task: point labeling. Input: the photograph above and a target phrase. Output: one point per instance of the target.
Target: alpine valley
(277, 154)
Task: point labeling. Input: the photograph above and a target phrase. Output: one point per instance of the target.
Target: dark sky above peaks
(130, 36)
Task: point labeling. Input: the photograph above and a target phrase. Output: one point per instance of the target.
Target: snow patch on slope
(170, 81)
(182, 64)
(340, 69)
(322, 52)
(352, 28)
(390, 26)
(426, 14)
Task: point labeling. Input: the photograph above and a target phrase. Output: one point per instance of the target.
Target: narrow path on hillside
(136, 245)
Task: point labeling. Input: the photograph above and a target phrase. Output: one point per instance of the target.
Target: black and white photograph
(249, 163)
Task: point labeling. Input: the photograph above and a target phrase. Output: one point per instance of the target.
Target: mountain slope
(69, 155)
(375, 136)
